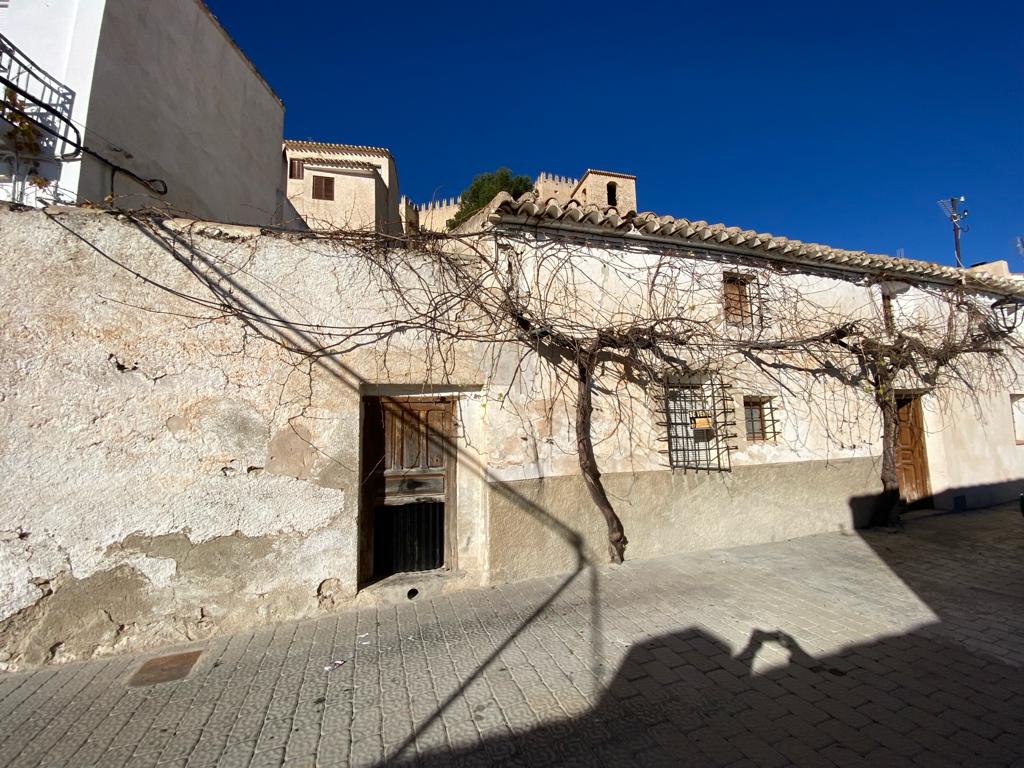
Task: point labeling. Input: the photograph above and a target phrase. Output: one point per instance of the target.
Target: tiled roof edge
(301, 144)
(608, 221)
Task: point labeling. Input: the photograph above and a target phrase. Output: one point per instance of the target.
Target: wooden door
(417, 435)
(911, 459)
(408, 489)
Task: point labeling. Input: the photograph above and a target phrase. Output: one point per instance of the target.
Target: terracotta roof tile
(324, 146)
(332, 163)
(550, 212)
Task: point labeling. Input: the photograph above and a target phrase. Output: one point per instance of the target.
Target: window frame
(326, 187)
(740, 314)
(765, 415)
(297, 169)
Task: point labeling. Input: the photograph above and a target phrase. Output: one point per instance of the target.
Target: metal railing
(35, 96)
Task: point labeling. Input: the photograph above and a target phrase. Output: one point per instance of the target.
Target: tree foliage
(483, 189)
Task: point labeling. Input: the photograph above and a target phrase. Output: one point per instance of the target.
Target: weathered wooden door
(911, 459)
(408, 486)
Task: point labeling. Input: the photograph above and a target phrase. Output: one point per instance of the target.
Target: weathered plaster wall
(678, 511)
(167, 474)
(533, 430)
(170, 472)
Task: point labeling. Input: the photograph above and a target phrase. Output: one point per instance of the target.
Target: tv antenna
(949, 207)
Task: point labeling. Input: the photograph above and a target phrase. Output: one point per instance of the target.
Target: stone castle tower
(604, 189)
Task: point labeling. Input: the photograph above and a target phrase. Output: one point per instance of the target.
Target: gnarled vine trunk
(889, 512)
(617, 541)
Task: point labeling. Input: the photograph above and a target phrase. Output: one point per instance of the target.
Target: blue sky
(833, 123)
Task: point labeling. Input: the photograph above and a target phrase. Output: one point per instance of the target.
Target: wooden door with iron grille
(911, 458)
(409, 485)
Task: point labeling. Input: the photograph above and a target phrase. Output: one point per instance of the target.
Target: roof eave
(947, 276)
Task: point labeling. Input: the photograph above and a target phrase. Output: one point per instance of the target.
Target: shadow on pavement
(946, 693)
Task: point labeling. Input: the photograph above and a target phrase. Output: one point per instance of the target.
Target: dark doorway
(911, 458)
(408, 486)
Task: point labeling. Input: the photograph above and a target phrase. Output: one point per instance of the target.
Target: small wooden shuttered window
(737, 300)
(323, 188)
(296, 169)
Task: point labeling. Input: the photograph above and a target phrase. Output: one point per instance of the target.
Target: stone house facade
(218, 448)
(342, 186)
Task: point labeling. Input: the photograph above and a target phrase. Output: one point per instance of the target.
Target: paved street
(839, 649)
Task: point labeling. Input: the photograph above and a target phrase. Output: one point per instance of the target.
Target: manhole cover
(164, 669)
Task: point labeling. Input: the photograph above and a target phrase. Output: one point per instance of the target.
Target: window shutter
(323, 188)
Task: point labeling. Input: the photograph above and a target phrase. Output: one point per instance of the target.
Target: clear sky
(837, 123)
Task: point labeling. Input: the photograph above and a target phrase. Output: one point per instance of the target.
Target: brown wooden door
(911, 459)
(408, 489)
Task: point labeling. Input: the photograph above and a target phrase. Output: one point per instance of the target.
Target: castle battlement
(433, 215)
(550, 185)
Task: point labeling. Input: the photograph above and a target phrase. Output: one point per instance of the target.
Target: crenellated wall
(434, 216)
(550, 185)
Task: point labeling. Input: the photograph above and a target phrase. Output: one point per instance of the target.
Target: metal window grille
(697, 421)
(759, 419)
(323, 188)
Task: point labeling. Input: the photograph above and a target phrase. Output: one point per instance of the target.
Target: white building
(132, 83)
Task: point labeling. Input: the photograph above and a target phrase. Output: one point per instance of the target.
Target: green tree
(484, 188)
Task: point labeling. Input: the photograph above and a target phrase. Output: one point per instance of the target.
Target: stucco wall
(534, 524)
(972, 450)
(170, 472)
(173, 98)
(364, 199)
(354, 206)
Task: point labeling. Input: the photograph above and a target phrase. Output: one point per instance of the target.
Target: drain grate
(165, 669)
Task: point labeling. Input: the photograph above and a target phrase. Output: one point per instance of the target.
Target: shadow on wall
(949, 692)
(260, 314)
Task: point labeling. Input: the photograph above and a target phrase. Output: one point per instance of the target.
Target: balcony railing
(35, 99)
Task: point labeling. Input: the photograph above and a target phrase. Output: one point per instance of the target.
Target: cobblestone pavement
(855, 649)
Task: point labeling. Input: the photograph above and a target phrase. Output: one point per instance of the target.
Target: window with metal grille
(759, 419)
(737, 298)
(323, 188)
(296, 169)
(695, 423)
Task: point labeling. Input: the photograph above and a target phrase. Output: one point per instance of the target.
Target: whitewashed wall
(162, 90)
